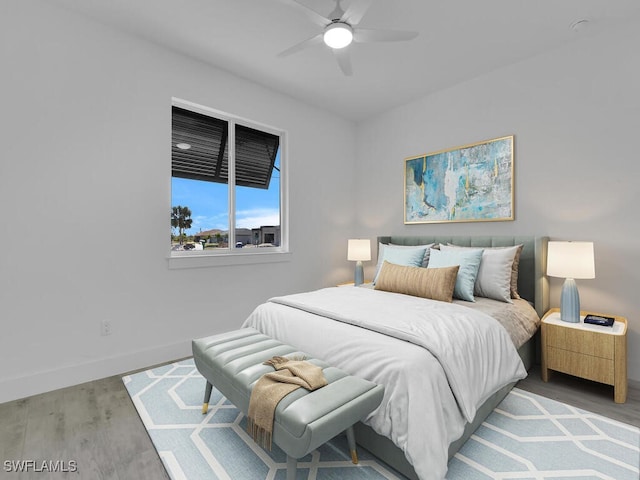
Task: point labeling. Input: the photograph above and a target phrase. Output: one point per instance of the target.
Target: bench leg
(207, 396)
(292, 468)
(351, 440)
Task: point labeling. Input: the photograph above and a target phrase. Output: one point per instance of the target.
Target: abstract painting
(471, 183)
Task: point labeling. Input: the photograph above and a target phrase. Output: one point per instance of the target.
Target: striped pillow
(432, 283)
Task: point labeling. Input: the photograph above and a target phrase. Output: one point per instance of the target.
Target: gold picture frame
(469, 183)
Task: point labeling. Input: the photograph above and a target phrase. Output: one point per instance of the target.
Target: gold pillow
(433, 283)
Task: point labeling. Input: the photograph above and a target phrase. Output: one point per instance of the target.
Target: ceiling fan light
(338, 35)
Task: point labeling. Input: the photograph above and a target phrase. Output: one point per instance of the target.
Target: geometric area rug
(533, 437)
(193, 446)
(526, 437)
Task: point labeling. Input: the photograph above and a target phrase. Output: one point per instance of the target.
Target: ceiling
(458, 40)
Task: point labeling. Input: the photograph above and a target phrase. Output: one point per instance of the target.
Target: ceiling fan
(340, 30)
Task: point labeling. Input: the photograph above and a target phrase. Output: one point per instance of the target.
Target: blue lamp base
(570, 302)
(359, 275)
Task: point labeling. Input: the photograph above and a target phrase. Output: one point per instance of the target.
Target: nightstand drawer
(580, 341)
(581, 365)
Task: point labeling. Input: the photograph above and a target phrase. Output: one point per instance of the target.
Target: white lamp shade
(571, 260)
(359, 250)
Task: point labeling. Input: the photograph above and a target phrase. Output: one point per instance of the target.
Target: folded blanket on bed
(273, 387)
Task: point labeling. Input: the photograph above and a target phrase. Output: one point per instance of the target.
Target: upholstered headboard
(532, 281)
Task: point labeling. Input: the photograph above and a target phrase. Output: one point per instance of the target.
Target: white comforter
(438, 361)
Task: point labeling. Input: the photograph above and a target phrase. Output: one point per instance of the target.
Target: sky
(209, 204)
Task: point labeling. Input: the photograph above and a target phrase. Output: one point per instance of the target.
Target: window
(227, 192)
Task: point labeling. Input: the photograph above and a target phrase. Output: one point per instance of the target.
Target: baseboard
(54, 379)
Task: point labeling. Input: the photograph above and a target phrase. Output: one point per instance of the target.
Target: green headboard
(533, 284)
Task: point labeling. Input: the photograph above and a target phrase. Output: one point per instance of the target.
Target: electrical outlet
(105, 327)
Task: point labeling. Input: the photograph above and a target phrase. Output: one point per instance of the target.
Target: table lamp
(359, 250)
(570, 260)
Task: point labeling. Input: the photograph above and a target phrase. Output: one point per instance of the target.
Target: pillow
(494, 261)
(469, 262)
(382, 246)
(433, 283)
(514, 273)
(425, 260)
(494, 275)
(400, 255)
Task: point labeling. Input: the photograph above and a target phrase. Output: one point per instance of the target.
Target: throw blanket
(273, 387)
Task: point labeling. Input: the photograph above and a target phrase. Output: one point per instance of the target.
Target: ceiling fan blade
(367, 35)
(356, 11)
(344, 60)
(309, 42)
(309, 12)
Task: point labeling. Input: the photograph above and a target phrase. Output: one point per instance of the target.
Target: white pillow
(494, 275)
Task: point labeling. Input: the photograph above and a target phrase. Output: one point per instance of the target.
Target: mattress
(378, 336)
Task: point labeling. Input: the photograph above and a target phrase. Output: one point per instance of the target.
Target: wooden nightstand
(588, 351)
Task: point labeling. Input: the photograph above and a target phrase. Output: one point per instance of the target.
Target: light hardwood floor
(96, 425)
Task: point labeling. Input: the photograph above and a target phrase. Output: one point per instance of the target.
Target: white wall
(575, 116)
(85, 172)
(85, 187)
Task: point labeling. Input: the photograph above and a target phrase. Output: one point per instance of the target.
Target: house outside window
(228, 193)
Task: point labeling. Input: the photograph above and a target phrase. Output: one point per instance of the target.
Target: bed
(434, 397)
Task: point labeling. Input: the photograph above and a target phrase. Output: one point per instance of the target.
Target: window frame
(230, 255)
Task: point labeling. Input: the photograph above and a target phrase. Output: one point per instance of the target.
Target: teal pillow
(408, 257)
(469, 262)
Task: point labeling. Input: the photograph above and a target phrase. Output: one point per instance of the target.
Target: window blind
(207, 158)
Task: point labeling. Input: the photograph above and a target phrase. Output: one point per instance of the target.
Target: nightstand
(588, 351)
